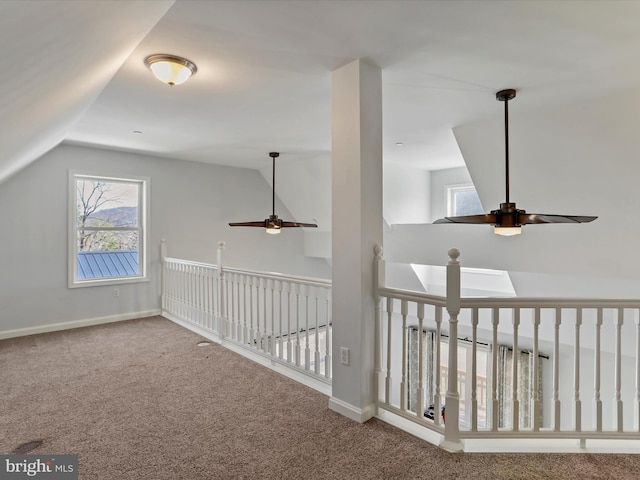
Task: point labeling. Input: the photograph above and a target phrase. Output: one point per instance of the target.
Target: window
(528, 386)
(463, 200)
(464, 374)
(107, 234)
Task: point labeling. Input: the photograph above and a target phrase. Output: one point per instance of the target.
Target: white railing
(576, 374)
(282, 317)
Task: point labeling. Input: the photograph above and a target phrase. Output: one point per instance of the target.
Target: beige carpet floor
(140, 400)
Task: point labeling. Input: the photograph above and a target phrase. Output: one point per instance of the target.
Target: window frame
(143, 228)
(450, 194)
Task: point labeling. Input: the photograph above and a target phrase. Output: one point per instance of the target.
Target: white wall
(191, 204)
(406, 194)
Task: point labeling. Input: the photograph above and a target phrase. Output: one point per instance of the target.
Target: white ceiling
(264, 72)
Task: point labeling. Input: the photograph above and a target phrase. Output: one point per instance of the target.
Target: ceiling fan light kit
(508, 219)
(273, 225)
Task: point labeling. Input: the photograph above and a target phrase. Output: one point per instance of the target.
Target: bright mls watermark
(49, 467)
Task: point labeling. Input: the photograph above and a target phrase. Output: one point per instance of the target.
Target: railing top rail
(550, 302)
(316, 282)
(413, 296)
(189, 262)
(513, 302)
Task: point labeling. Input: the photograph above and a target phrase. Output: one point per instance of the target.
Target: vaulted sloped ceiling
(77, 74)
(57, 58)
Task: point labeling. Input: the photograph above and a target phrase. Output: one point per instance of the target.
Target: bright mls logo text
(59, 467)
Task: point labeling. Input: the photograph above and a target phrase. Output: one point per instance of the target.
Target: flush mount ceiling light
(508, 220)
(170, 69)
(273, 224)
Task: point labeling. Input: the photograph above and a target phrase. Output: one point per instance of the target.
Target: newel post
(378, 283)
(452, 440)
(222, 306)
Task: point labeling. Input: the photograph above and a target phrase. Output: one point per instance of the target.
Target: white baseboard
(54, 327)
(359, 415)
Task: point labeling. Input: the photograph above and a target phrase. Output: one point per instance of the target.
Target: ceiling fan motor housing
(508, 215)
(273, 222)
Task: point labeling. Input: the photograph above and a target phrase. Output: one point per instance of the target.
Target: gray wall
(191, 205)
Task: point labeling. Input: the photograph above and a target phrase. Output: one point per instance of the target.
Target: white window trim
(450, 191)
(72, 263)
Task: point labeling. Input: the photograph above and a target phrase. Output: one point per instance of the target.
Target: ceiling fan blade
(484, 218)
(297, 224)
(260, 223)
(537, 218)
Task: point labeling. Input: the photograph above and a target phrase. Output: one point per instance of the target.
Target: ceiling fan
(508, 220)
(273, 224)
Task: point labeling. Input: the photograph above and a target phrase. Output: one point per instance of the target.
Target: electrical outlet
(344, 356)
(116, 292)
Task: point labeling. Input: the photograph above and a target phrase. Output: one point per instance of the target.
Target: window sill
(107, 282)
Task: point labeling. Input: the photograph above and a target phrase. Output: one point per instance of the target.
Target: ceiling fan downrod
(273, 156)
(505, 96)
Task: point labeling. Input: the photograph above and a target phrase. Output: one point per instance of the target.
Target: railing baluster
(515, 364)
(297, 288)
(238, 326)
(596, 398)
(495, 403)
(265, 332)
(280, 346)
(576, 373)
(204, 303)
(403, 381)
(536, 372)
(387, 380)
(420, 391)
(437, 396)
(244, 329)
(307, 349)
(259, 333)
(203, 296)
(636, 410)
(317, 350)
(474, 369)
(556, 370)
(252, 331)
(272, 339)
(232, 306)
(287, 288)
(618, 396)
(328, 335)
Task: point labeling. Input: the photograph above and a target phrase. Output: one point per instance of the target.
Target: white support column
(452, 442)
(356, 177)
